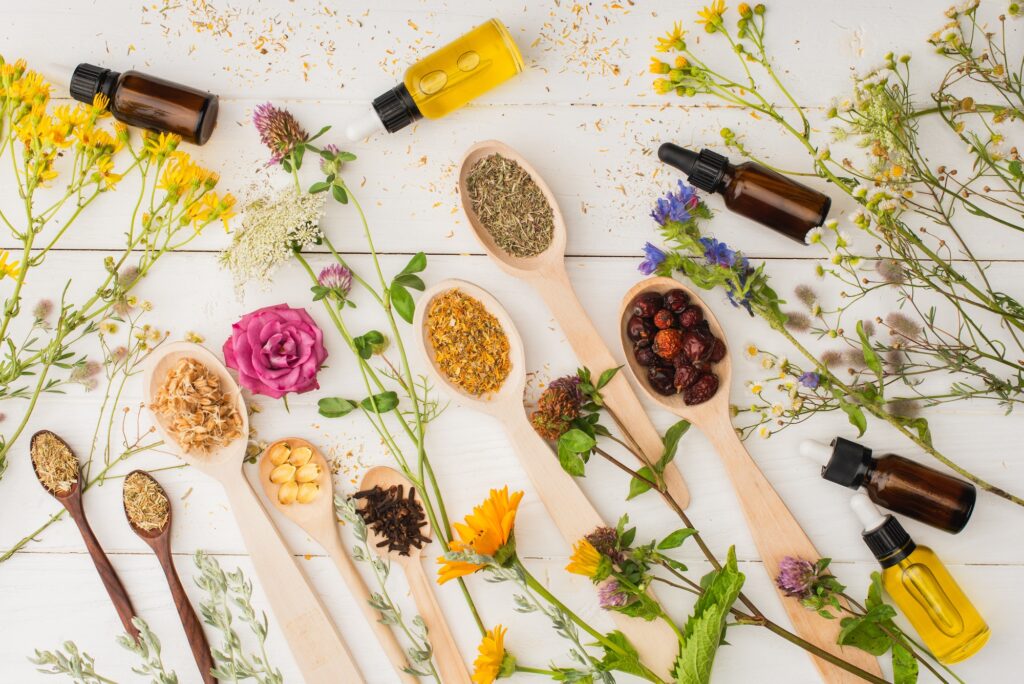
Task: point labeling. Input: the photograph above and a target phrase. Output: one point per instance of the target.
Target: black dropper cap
(89, 79)
(704, 169)
(396, 108)
(889, 542)
(849, 464)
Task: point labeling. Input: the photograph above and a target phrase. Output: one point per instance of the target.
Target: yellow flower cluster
(8, 270)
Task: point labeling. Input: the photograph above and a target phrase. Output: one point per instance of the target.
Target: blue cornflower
(654, 258)
(810, 380)
(675, 206)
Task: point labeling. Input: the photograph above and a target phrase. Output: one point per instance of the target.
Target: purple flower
(718, 253)
(279, 131)
(810, 380)
(675, 206)
(330, 165)
(336, 278)
(654, 258)
(796, 576)
(609, 596)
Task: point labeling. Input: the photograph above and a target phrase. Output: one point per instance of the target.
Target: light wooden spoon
(546, 273)
(776, 532)
(568, 507)
(318, 520)
(449, 661)
(318, 648)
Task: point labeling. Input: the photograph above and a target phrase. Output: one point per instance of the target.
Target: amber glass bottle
(149, 102)
(752, 190)
(897, 483)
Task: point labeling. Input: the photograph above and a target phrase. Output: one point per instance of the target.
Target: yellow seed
(287, 493)
(308, 473)
(282, 473)
(300, 456)
(307, 492)
(279, 454)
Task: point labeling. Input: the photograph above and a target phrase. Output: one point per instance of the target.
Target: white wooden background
(585, 117)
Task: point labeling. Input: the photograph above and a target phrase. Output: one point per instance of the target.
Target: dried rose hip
(647, 304)
(661, 380)
(691, 316)
(695, 347)
(668, 343)
(676, 300)
(664, 319)
(704, 330)
(639, 330)
(645, 356)
(685, 376)
(702, 390)
(717, 351)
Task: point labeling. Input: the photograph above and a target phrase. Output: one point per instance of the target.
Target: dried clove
(395, 517)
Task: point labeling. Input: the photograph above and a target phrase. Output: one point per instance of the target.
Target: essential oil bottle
(896, 483)
(752, 190)
(922, 588)
(145, 101)
(444, 80)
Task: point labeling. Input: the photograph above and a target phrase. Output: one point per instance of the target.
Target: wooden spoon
(776, 532)
(449, 661)
(573, 514)
(318, 520)
(72, 501)
(546, 273)
(318, 648)
(160, 541)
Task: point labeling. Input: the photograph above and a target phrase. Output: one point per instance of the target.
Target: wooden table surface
(585, 116)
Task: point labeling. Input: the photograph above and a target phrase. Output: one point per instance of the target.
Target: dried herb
(396, 518)
(470, 346)
(55, 463)
(511, 206)
(145, 503)
(196, 411)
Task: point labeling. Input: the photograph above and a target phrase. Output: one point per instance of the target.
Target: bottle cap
(884, 535)
(844, 462)
(365, 126)
(86, 81)
(396, 108)
(704, 169)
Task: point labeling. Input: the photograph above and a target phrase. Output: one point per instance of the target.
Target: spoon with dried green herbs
(473, 349)
(57, 469)
(398, 530)
(514, 216)
(149, 515)
(199, 411)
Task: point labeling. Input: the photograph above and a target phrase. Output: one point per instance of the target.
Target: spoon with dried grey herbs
(398, 530)
(57, 470)
(148, 511)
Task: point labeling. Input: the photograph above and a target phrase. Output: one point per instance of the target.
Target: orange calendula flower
(711, 15)
(8, 270)
(487, 666)
(585, 559)
(484, 532)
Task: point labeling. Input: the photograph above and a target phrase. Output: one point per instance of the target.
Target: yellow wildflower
(105, 173)
(160, 145)
(662, 86)
(487, 666)
(682, 62)
(108, 326)
(485, 532)
(711, 16)
(659, 67)
(585, 559)
(673, 40)
(744, 10)
(10, 270)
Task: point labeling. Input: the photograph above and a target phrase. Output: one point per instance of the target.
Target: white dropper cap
(366, 125)
(870, 517)
(816, 451)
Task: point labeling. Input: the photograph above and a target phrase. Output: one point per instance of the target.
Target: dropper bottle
(922, 588)
(897, 483)
(444, 80)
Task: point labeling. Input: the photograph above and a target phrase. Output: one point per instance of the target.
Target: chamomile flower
(777, 409)
(764, 432)
(755, 388)
(814, 236)
(751, 351)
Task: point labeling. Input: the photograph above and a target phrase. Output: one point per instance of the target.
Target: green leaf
(870, 357)
(297, 154)
(318, 187)
(335, 407)
(866, 632)
(339, 194)
(643, 607)
(855, 414)
(403, 302)
(411, 281)
(607, 376)
(319, 292)
(1015, 169)
(380, 403)
(319, 133)
(904, 666)
(676, 539)
(628, 661)
(416, 264)
(570, 459)
(671, 442)
(577, 440)
(638, 486)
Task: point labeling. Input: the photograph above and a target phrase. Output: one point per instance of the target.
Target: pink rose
(276, 350)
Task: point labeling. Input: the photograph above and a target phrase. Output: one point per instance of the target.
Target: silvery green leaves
(147, 648)
(398, 291)
(78, 665)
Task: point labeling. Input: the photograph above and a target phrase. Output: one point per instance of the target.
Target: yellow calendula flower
(585, 559)
(673, 40)
(711, 15)
(9, 270)
(484, 532)
(487, 666)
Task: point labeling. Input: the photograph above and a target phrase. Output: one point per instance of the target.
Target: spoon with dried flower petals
(449, 661)
(159, 540)
(67, 489)
(318, 520)
(316, 644)
(546, 273)
(565, 502)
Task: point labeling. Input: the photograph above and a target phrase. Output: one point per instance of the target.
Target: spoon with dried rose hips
(674, 348)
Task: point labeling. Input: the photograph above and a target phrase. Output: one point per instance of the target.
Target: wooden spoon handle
(186, 613)
(357, 585)
(319, 651)
(112, 583)
(777, 534)
(575, 517)
(557, 292)
(449, 661)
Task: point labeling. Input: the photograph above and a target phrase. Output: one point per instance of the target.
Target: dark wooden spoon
(160, 541)
(72, 501)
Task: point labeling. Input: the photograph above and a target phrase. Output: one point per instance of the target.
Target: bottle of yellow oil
(920, 585)
(444, 80)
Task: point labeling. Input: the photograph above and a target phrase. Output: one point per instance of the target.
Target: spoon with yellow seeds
(297, 480)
